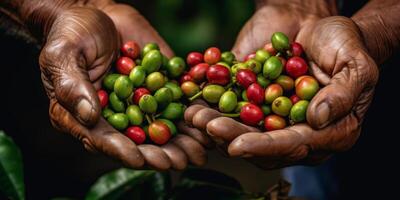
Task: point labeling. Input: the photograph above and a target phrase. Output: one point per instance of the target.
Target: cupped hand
(288, 17)
(78, 52)
(347, 74)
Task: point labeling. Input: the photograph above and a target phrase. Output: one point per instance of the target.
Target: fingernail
(247, 155)
(323, 112)
(84, 109)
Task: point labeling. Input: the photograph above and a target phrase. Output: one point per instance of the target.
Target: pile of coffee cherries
(271, 88)
(138, 97)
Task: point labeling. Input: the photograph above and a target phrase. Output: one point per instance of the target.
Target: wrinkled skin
(339, 61)
(288, 17)
(79, 49)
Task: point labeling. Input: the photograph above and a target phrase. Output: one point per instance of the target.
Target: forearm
(38, 15)
(380, 26)
(319, 8)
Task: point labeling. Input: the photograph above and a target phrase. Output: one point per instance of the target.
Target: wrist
(380, 37)
(38, 15)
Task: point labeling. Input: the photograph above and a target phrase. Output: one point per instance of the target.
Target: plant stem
(230, 85)
(289, 53)
(148, 119)
(196, 96)
(230, 114)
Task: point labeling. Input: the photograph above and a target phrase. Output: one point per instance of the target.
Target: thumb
(100, 138)
(349, 90)
(68, 82)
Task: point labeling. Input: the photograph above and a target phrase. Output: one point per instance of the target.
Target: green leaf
(208, 184)
(157, 187)
(116, 183)
(153, 188)
(212, 177)
(11, 172)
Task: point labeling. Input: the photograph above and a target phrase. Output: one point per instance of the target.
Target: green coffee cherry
(272, 68)
(299, 111)
(123, 87)
(107, 112)
(137, 76)
(262, 56)
(148, 47)
(109, 81)
(173, 111)
(152, 61)
(134, 115)
(281, 106)
(155, 81)
(116, 104)
(244, 95)
(212, 93)
(280, 41)
(238, 66)
(266, 109)
(163, 97)
(119, 121)
(228, 102)
(175, 67)
(253, 65)
(176, 90)
(164, 62)
(228, 57)
(148, 104)
(264, 82)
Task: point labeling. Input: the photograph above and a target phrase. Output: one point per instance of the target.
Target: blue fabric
(313, 183)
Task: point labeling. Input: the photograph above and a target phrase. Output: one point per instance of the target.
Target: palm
(339, 61)
(341, 64)
(258, 30)
(132, 26)
(348, 75)
(76, 51)
(287, 17)
(91, 40)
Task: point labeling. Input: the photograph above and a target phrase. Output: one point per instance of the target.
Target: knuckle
(298, 153)
(89, 145)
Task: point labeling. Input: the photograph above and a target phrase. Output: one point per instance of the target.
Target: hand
(338, 59)
(279, 16)
(79, 49)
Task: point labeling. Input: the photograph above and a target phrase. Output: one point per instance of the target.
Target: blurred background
(57, 165)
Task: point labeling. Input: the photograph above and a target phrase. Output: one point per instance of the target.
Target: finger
(349, 90)
(246, 41)
(70, 84)
(133, 26)
(177, 157)
(203, 116)
(191, 111)
(225, 129)
(194, 151)
(101, 138)
(155, 157)
(295, 143)
(195, 133)
(259, 28)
